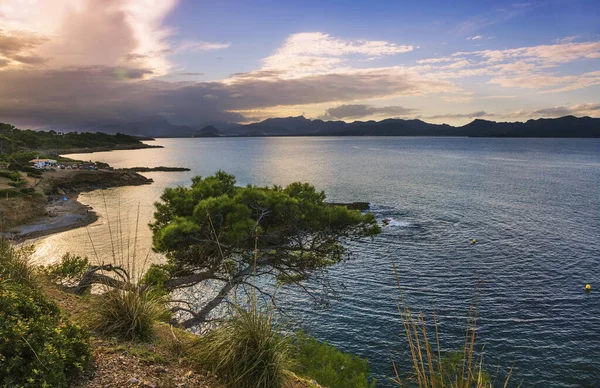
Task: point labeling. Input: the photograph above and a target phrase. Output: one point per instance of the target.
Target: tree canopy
(217, 231)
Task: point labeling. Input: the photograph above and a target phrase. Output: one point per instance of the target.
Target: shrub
(12, 175)
(18, 183)
(31, 170)
(246, 350)
(329, 366)
(69, 268)
(129, 314)
(15, 265)
(39, 347)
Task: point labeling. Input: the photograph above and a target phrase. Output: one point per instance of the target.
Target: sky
(88, 62)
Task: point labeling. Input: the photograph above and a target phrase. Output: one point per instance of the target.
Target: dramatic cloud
(460, 115)
(17, 47)
(62, 33)
(67, 62)
(355, 111)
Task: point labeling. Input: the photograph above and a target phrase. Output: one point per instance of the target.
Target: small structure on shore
(42, 164)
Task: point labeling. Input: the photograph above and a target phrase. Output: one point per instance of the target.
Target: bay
(532, 204)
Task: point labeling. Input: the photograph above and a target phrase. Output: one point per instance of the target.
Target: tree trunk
(202, 315)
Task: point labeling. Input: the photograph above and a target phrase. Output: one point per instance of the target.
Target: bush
(69, 268)
(329, 366)
(15, 265)
(31, 170)
(39, 347)
(246, 351)
(129, 314)
(18, 183)
(12, 175)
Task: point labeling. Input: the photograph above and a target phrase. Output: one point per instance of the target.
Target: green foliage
(18, 183)
(69, 267)
(12, 193)
(156, 276)
(129, 314)
(328, 366)
(34, 140)
(246, 350)
(39, 347)
(12, 175)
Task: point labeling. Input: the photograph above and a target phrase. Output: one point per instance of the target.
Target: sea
(533, 206)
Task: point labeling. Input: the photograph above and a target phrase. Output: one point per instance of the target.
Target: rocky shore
(57, 207)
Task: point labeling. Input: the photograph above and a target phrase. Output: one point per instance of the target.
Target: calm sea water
(532, 204)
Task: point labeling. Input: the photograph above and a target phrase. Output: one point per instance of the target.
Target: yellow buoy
(473, 241)
(588, 288)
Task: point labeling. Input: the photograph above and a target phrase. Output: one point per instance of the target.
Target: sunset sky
(82, 62)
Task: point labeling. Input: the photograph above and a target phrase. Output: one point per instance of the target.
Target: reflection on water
(532, 205)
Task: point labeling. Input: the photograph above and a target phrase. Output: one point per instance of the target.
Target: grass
(432, 368)
(128, 314)
(247, 350)
(15, 264)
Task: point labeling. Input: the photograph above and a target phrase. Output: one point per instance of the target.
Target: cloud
(17, 47)
(90, 61)
(91, 32)
(496, 16)
(460, 115)
(200, 46)
(314, 52)
(90, 94)
(354, 111)
(588, 109)
(476, 37)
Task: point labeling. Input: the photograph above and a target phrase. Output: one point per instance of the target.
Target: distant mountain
(153, 127)
(568, 126)
(208, 131)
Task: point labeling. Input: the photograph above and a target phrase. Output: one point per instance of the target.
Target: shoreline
(62, 210)
(61, 216)
(85, 150)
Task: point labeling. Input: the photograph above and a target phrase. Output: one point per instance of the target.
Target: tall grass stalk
(15, 264)
(247, 349)
(431, 368)
(130, 311)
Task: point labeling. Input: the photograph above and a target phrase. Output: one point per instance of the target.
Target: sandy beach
(61, 215)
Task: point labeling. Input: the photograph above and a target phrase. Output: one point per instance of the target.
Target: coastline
(120, 147)
(62, 211)
(60, 217)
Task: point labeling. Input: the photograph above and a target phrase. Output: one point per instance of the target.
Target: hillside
(568, 126)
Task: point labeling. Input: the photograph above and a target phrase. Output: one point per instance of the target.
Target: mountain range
(568, 126)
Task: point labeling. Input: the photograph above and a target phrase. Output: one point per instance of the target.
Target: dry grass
(431, 368)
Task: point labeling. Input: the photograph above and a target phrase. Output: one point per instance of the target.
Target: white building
(42, 164)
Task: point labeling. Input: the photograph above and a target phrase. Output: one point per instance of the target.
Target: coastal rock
(362, 206)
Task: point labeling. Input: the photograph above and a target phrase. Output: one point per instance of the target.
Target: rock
(362, 206)
(133, 380)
